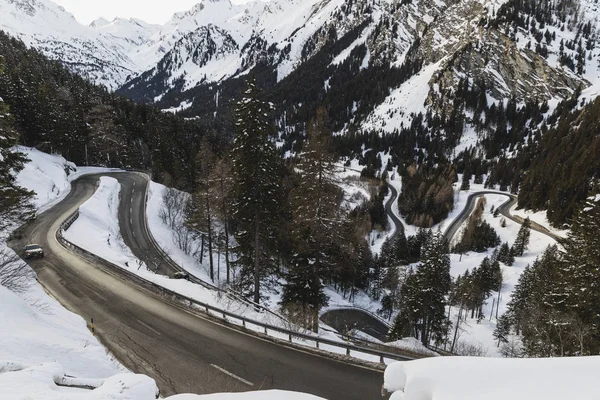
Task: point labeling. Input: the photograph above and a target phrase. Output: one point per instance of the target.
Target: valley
(290, 195)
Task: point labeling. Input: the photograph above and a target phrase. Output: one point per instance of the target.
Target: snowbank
(48, 382)
(36, 329)
(466, 378)
(412, 344)
(97, 228)
(50, 176)
(47, 175)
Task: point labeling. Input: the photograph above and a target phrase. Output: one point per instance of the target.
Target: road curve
(132, 221)
(504, 210)
(183, 352)
(346, 319)
(389, 211)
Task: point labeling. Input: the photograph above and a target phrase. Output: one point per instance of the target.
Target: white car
(33, 250)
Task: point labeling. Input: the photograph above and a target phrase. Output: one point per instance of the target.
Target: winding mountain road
(183, 351)
(341, 319)
(504, 208)
(390, 212)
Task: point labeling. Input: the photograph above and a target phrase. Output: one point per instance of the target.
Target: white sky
(152, 11)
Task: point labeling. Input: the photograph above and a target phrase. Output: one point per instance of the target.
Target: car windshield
(32, 247)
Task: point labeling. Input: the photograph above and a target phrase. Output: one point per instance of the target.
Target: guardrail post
(290, 337)
(244, 323)
(317, 342)
(266, 333)
(381, 359)
(347, 351)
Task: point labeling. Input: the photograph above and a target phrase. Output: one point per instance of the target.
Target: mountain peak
(99, 22)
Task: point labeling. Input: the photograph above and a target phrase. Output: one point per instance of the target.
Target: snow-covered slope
(217, 39)
(100, 53)
(129, 33)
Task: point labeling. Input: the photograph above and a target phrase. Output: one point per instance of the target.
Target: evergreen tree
(505, 255)
(522, 241)
(423, 296)
(537, 307)
(256, 173)
(317, 220)
(15, 200)
(400, 248)
(502, 331)
(221, 180)
(580, 277)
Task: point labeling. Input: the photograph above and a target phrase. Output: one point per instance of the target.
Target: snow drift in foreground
(471, 378)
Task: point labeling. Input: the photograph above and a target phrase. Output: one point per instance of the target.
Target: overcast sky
(152, 11)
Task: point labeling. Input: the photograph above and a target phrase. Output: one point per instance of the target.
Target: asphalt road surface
(132, 221)
(504, 211)
(183, 352)
(388, 209)
(344, 320)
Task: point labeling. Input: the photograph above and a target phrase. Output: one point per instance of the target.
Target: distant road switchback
(504, 210)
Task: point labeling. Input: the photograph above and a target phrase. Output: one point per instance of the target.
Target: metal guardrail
(69, 221)
(219, 313)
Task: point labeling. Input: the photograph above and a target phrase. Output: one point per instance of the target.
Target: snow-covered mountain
(508, 47)
(131, 34)
(217, 39)
(442, 43)
(101, 52)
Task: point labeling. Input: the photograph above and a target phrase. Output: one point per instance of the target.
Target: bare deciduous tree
(470, 349)
(174, 202)
(513, 348)
(15, 275)
(172, 214)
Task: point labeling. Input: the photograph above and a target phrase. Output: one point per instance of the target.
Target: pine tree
(400, 248)
(256, 172)
(423, 296)
(505, 255)
(502, 331)
(466, 181)
(580, 278)
(15, 200)
(317, 219)
(522, 241)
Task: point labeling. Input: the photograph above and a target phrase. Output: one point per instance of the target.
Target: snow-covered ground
(163, 235)
(50, 176)
(480, 334)
(43, 345)
(539, 217)
(467, 378)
